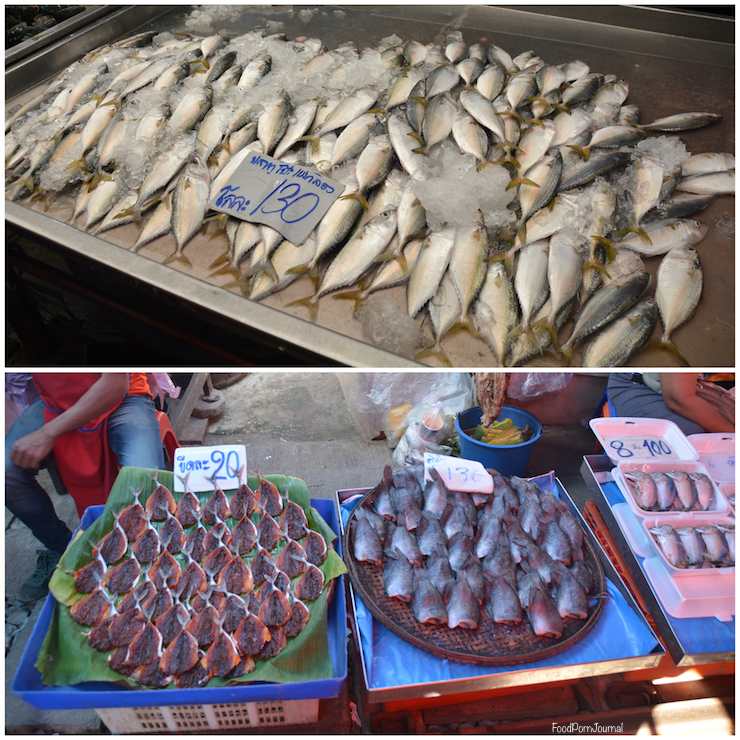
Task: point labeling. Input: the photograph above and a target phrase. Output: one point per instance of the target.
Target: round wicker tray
(489, 644)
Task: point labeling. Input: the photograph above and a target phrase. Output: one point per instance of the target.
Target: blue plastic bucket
(506, 459)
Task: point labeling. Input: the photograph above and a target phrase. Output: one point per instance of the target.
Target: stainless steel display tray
(521, 675)
(672, 63)
(595, 470)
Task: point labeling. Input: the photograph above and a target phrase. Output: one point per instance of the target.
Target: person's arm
(29, 451)
(679, 394)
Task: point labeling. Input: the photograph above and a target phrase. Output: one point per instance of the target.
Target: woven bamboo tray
(490, 644)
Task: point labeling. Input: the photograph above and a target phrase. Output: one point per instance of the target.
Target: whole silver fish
(670, 544)
(430, 267)
(704, 490)
(693, 545)
(685, 491)
(682, 122)
(606, 304)
(273, 122)
(467, 264)
(496, 311)
(404, 143)
(643, 489)
(678, 288)
(659, 237)
(191, 110)
(715, 543)
(357, 255)
(189, 205)
(613, 345)
(530, 279)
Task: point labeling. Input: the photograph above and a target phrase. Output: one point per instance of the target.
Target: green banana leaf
(65, 658)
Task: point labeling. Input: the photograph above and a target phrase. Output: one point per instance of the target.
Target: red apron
(87, 463)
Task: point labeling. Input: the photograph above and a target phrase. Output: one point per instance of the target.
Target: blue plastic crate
(97, 694)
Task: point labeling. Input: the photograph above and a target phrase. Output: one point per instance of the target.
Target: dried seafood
(184, 592)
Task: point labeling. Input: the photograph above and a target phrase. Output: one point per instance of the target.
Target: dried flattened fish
(121, 578)
(181, 655)
(91, 610)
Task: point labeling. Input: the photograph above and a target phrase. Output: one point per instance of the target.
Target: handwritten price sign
(204, 464)
(458, 474)
(290, 198)
(642, 447)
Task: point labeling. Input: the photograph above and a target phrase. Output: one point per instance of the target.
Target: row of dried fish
(671, 490)
(704, 546)
(133, 126)
(187, 606)
(449, 554)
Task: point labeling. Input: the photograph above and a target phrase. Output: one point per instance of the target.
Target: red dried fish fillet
(91, 610)
(181, 655)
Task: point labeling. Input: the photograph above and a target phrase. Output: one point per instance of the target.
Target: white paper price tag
(290, 198)
(642, 447)
(458, 474)
(201, 464)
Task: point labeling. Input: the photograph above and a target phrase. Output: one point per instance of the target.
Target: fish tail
(313, 139)
(434, 351)
(299, 269)
(311, 302)
(219, 260)
(466, 324)
(595, 264)
(611, 250)
(636, 230)
(584, 150)
(177, 257)
(665, 342)
(358, 197)
(521, 181)
(353, 295)
(226, 270)
(567, 354)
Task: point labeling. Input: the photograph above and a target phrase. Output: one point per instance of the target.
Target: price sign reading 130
(290, 198)
(459, 474)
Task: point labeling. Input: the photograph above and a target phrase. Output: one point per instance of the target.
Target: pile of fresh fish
(508, 194)
(517, 553)
(704, 546)
(181, 592)
(670, 490)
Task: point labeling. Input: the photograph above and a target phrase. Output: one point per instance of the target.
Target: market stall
(278, 329)
(611, 636)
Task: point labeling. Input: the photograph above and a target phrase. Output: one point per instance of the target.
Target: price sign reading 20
(202, 467)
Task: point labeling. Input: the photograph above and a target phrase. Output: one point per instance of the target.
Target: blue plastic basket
(96, 694)
(506, 459)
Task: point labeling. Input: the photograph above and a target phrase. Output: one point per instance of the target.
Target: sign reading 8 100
(641, 447)
(289, 198)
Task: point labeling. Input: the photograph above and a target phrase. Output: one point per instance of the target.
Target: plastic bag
(525, 386)
(390, 402)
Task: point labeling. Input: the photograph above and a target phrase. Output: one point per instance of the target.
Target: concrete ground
(299, 424)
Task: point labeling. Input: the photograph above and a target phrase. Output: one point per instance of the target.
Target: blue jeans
(133, 434)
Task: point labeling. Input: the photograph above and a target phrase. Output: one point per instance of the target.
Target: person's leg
(24, 497)
(133, 433)
(637, 400)
(28, 501)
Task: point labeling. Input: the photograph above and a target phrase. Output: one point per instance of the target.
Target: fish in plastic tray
(693, 546)
(669, 487)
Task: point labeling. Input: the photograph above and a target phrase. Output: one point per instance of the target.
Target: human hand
(30, 451)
